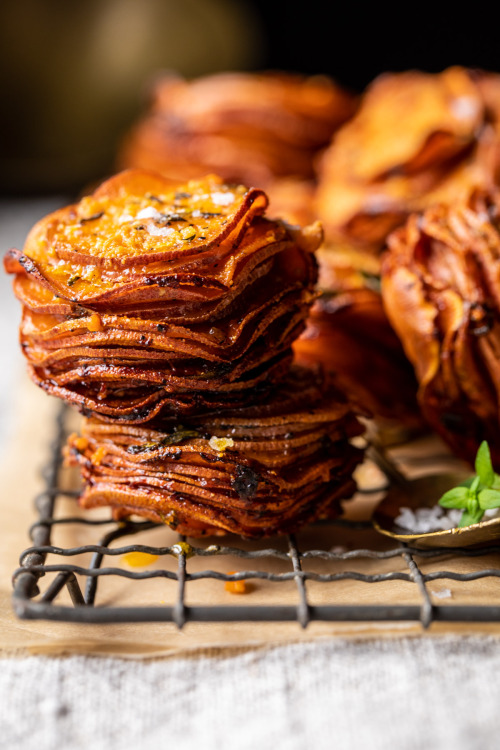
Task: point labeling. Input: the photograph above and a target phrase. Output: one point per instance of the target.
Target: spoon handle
(378, 455)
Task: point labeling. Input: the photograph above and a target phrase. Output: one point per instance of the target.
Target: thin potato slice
(441, 293)
(235, 471)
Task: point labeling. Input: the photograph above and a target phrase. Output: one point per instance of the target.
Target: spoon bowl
(425, 492)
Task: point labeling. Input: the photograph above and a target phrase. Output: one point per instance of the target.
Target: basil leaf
(489, 499)
(483, 465)
(474, 486)
(469, 518)
(467, 482)
(455, 498)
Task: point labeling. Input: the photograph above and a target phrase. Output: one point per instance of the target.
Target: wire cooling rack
(73, 591)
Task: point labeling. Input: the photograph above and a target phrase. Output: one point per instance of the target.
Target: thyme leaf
(174, 438)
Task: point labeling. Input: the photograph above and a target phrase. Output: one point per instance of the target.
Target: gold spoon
(425, 492)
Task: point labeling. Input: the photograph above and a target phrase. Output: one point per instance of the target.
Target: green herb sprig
(477, 494)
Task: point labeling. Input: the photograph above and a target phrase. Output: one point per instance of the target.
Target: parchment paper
(20, 467)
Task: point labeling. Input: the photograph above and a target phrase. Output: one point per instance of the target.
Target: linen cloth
(409, 694)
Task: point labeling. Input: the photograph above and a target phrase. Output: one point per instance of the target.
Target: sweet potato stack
(416, 139)
(256, 470)
(147, 303)
(441, 291)
(270, 129)
(348, 332)
(99, 280)
(263, 129)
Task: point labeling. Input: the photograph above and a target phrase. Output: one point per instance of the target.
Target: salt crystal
(464, 107)
(149, 213)
(423, 520)
(491, 513)
(222, 199)
(159, 231)
(124, 218)
(442, 594)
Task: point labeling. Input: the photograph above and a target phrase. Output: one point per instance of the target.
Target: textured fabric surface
(408, 694)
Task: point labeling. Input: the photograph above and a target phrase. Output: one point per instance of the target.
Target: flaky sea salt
(442, 594)
(464, 107)
(159, 231)
(149, 213)
(222, 199)
(422, 520)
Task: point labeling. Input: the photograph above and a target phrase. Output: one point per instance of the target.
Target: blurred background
(75, 75)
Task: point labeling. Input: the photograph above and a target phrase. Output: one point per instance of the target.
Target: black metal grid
(82, 583)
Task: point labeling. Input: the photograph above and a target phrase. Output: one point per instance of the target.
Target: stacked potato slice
(144, 298)
(348, 332)
(262, 129)
(148, 302)
(255, 471)
(441, 291)
(270, 129)
(416, 139)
